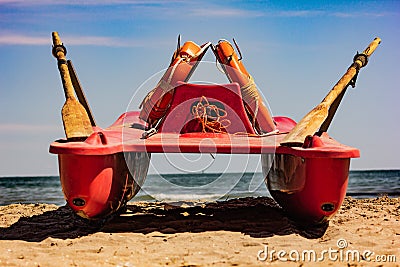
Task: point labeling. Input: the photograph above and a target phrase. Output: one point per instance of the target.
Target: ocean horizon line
(194, 173)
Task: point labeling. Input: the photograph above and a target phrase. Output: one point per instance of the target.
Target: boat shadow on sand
(256, 217)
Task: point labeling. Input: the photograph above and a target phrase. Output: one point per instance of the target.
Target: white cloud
(220, 12)
(28, 128)
(298, 13)
(22, 39)
(15, 39)
(359, 14)
(83, 3)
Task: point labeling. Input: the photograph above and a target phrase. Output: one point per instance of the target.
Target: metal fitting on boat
(328, 207)
(79, 202)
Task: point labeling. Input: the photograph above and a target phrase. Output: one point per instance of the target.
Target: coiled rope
(211, 117)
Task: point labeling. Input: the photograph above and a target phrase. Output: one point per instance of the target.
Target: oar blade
(308, 126)
(76, 121)
(79, 91)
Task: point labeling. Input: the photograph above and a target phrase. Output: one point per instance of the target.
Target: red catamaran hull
(102, 173)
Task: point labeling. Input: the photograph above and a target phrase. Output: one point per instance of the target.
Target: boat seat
(225, 99)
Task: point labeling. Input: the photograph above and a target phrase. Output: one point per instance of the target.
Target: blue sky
(295, 50)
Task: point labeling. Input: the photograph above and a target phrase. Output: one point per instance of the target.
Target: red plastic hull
(95, 186)
(309, 189)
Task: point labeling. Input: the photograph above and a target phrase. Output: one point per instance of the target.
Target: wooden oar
(312, 122)
(77, 125)
(79, 91)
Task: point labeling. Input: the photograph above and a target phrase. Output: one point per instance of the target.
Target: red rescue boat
(102, 171)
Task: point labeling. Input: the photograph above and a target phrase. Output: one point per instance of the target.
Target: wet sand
(240, 232)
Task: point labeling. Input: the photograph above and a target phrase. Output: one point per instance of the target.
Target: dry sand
(230, 233)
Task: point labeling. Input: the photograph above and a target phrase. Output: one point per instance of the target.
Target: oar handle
(316, 118)
(59, 52)
(372, 46)
(360, 60)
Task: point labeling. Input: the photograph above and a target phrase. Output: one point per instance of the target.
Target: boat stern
(95, 186)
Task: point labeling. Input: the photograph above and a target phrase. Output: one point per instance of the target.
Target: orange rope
(211, 117)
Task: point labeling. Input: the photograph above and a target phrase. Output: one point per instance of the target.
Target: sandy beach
(239, 232)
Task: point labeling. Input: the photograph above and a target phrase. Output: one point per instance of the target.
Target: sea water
(193, 187)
